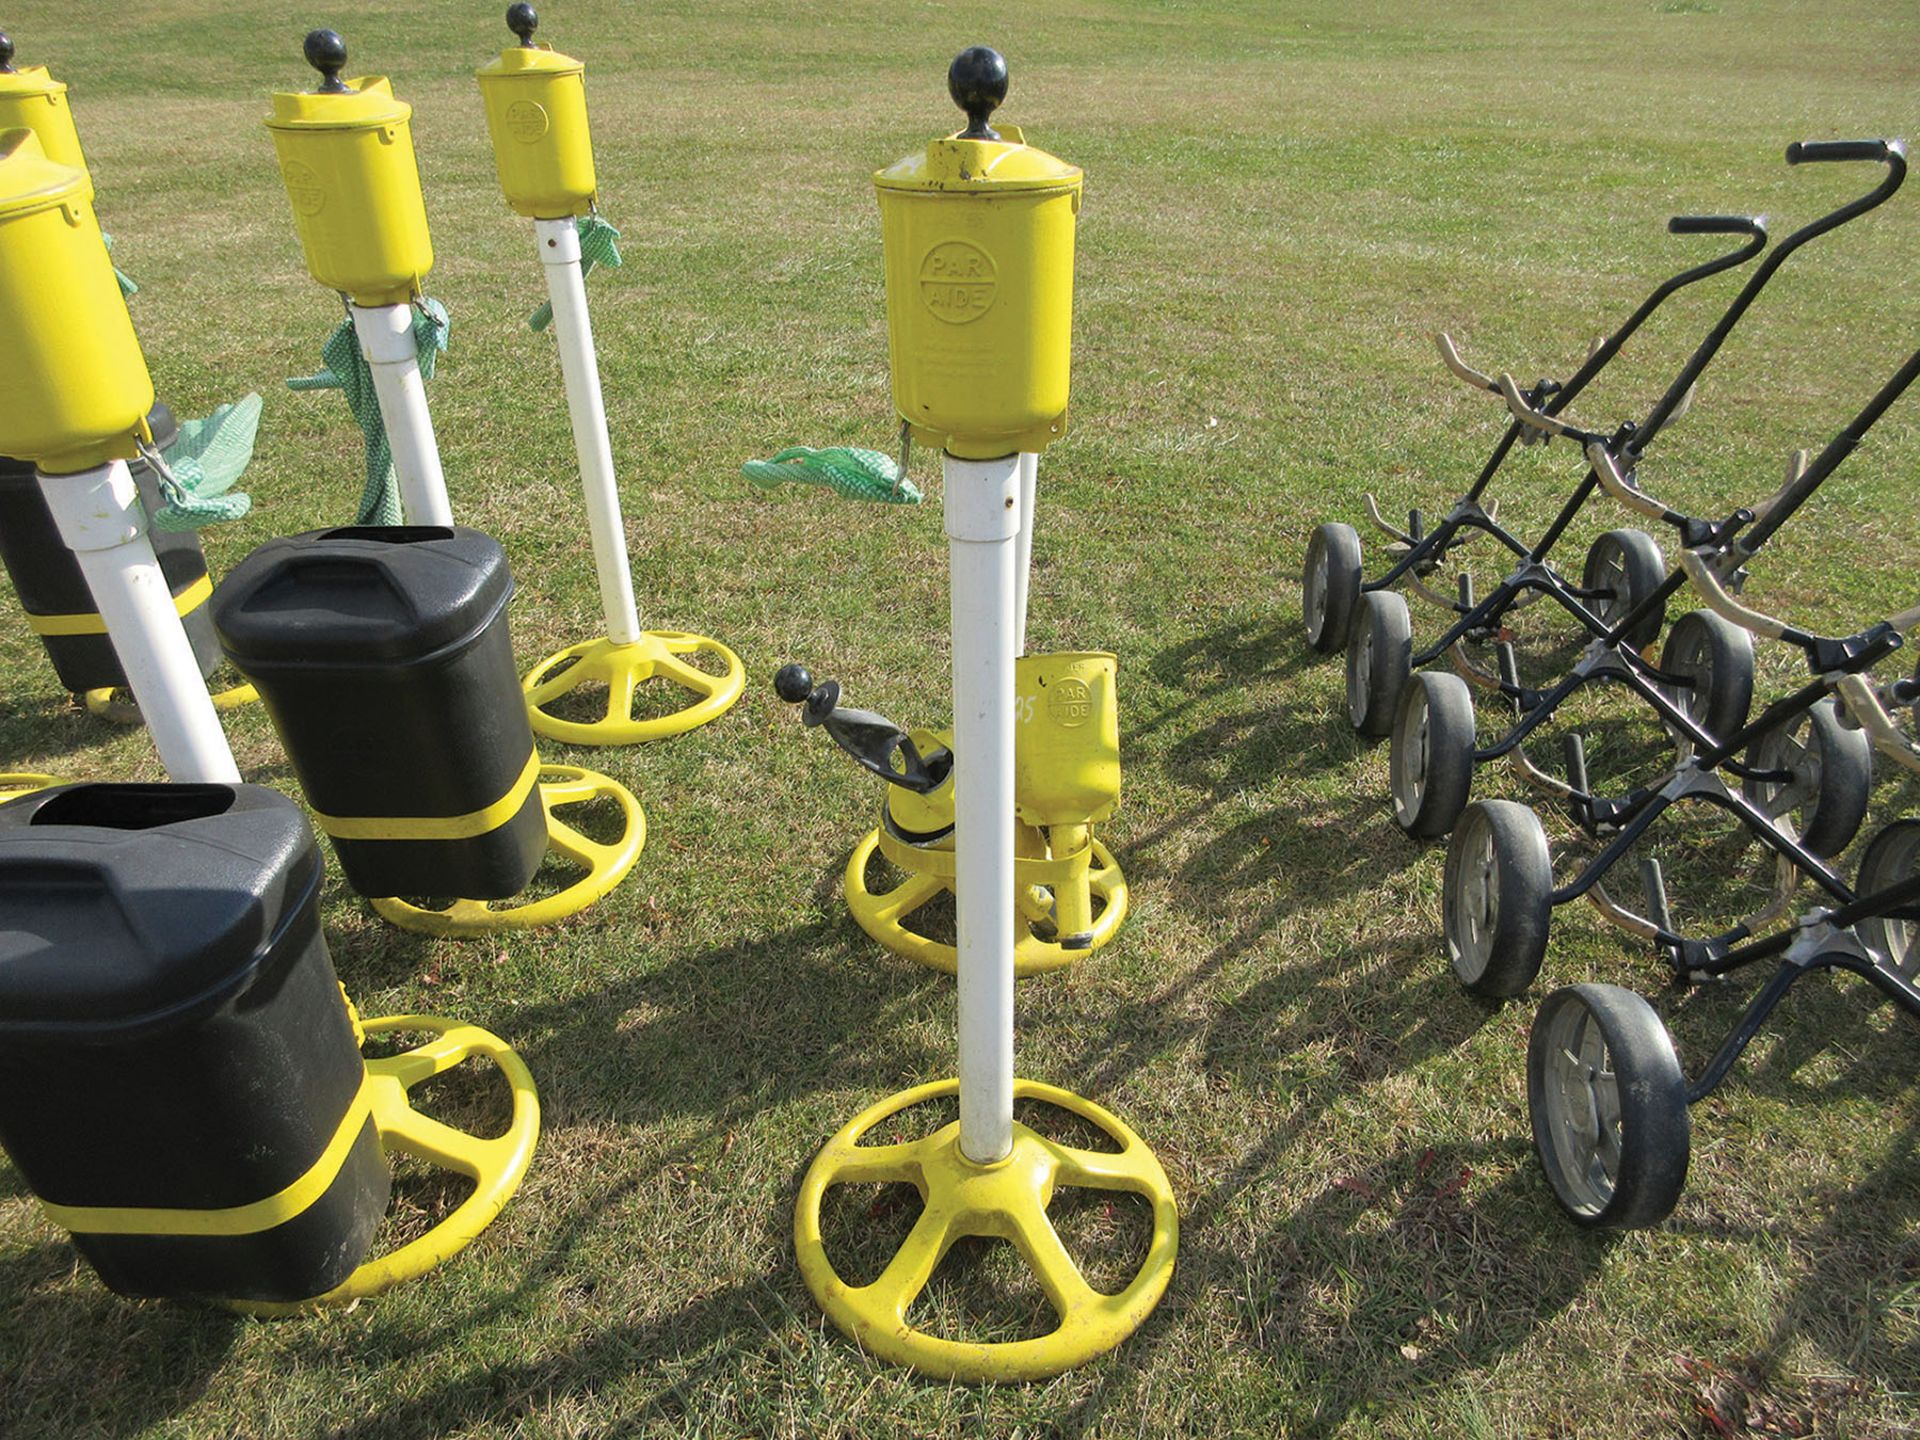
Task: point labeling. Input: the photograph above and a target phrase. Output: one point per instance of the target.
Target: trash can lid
(361, 596)
(364, 104)
(979, 160)
(529, 56)
(30, 182)
(124, 903)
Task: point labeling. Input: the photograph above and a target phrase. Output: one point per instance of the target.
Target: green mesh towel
(596, 248)
(127, 288)
(348, 372)
(203, 464)
(853, 474)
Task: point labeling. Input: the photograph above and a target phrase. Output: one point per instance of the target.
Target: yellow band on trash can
(250, 1219)
(437, 827)
(186, 602)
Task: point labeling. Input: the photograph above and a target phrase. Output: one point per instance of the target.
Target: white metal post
(983, 523)
(1023, 562)
(386, 335)
(559, 243)
(101, 520)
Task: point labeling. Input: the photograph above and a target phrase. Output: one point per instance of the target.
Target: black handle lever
(872, 740)
(1809, 152)
(1718, 225)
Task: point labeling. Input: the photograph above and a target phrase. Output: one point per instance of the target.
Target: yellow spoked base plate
(495, 1166)
(1005, 1201)
(887, 915)
(117, 705)
(15, 783)
(622, 669)
(605, 865)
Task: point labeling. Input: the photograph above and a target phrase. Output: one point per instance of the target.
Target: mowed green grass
(1282, 203)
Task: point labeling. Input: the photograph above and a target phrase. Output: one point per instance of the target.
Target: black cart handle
(1813, 152)
(1753, 225)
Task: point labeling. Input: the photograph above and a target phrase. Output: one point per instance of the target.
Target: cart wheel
(1832, 769)
(1717, 656)
(1892, 856)
(1330, 586)
(1432, 764)
(1497, 898)
(1379, 660)
(1628, 566)
(1609, 1106)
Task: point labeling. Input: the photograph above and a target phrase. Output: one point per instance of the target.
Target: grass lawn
(1282, 203)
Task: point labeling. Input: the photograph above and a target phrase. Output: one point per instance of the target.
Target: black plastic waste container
(54, 593)
(383, 656)
(179, 1079)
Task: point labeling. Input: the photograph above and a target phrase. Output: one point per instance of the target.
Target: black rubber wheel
(1832, 769)
(1330, 587)
(1431, 768)
(1497, 898)
(1627, 566)
(1609, 1107)
(1892, 856)
(1379, 660)
(1717, 656)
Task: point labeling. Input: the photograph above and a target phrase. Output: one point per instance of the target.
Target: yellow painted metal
(1066, 744)
(495, 1166)
(536, 103)
(31, 97)
(437, 827)
(979, 238)
(1007, 1201)
(15, 783)
(75, 384)
(604, 865)
(347, 160)
(1084, 881)
(288, 1203)
(109, 703)
(622, 669)
(186, 602)
(1066, 779)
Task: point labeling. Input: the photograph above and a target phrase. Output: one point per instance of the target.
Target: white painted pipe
(983, 525)
(386, 337)
(1023, 562)
(101, 520)
(559, 242)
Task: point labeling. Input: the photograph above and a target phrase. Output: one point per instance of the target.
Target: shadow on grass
(87, 1362)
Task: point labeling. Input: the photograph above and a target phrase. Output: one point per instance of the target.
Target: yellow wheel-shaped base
(15, 783)
(1005, 1201)
(495, 1166)
(606, 865)
(622, 669)
(887, 915)
(111, 703)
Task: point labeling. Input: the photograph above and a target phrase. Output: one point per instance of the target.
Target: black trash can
(54, 593)
(383, 656)
(179, 1078)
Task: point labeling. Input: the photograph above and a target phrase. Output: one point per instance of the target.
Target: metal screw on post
(977, 80)
(6, 53)
(523, 20)
(327, 53)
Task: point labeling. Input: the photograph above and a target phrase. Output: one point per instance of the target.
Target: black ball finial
(977, 80)
(327, 53)
(523, 20)
(793, 683)
(6, 53)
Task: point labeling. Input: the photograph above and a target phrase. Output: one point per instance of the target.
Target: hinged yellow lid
(363, 104)
(29, 181)
(540, 59)
(963, 165)
(31, 81)
(979, 159)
